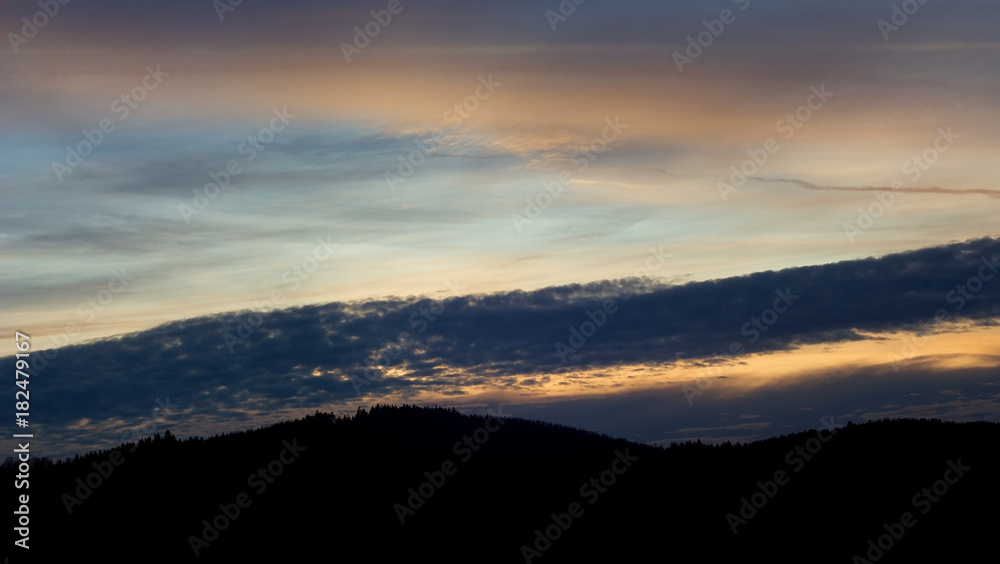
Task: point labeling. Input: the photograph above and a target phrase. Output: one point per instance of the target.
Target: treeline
(401, 482)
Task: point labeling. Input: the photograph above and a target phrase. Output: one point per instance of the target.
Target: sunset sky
(242, 208)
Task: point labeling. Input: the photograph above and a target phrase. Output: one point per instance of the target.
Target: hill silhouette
(402, 482)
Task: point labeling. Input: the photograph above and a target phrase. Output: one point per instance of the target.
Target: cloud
(305, 357)
(737, 427)
(843, 393)
(915, 190)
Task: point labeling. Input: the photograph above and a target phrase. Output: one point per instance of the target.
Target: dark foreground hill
(400, 483)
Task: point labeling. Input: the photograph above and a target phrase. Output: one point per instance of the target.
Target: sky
(658, 220)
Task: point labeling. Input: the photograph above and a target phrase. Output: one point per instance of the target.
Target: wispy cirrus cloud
(911, 189)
